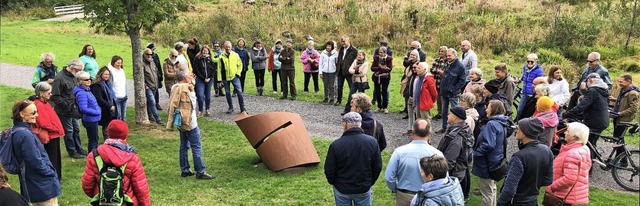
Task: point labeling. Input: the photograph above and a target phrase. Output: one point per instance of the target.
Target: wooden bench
(71, 9)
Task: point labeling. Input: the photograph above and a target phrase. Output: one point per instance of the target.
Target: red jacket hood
(114, 155)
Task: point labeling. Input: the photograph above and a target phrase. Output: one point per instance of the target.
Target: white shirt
(119, 81)
(344, 51)
(328, 61)
(183, 62)
(559, 91)
(194, 104)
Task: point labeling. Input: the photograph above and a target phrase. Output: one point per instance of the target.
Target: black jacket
(529, 169)
(342, 65)
(593, 109)
(62, 96)
(353, 162)
(156, 60)
(456, 145)
(203, 68)
(367, 126)
(105, 101)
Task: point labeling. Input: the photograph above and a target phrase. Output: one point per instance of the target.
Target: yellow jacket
(232, 65)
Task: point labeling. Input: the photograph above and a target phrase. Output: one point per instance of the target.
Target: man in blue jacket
(593, 66)
(453, 79)
(353, 163)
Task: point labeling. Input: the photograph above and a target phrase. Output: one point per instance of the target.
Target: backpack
(7, 151)
(110, 184)
(510, 128)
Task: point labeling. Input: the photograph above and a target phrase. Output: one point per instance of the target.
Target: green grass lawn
(230, 158)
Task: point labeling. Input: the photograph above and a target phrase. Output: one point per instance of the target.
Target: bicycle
(627, 175)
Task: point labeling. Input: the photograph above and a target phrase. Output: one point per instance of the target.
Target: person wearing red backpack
(117, 152)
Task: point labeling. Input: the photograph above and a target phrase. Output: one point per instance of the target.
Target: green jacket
(232, 65)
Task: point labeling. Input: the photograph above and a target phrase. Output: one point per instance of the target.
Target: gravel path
(321, 120)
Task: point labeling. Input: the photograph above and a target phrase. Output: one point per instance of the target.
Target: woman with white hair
(45, 71)
(310, 59)
(48, 126)
(182, 57)
(571, 167)
(530, 71)
(475, 78)
(89, 109)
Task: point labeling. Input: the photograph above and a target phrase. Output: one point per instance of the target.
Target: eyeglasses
(216, 46)
(34, 112)
(85, 80)
(173, 56)
(148, 54)
(530, 62)
(48, 62)
(591, 61)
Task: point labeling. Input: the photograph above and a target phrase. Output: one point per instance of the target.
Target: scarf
(418, 90)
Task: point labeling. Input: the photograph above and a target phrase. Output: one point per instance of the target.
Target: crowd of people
(476, 119)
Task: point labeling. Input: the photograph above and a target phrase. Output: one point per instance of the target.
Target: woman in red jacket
(571, 167)
(48, 127)
(117, 152)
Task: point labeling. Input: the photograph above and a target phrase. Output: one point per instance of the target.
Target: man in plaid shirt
(437, 70)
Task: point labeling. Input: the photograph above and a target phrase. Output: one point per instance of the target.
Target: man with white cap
(529, 169)
(353, 163)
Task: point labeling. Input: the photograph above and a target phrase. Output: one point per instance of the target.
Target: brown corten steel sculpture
(279, 138)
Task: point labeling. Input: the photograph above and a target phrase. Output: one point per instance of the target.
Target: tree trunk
(138, 78)
(633, 21)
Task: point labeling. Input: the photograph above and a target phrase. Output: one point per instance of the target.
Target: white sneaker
(386, 111)
(275, 92)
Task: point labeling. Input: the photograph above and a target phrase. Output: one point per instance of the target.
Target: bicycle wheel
(627, 175)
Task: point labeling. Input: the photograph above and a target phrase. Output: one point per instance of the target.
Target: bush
(570, 71)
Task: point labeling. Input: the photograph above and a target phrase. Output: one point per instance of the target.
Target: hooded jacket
(272, 62)
(439, 192)
(489, 148)
(595, 103)
(134, 181)
(203, 68)
(550, 121)
(456, 146)
(38, 181)
(570, 167)
(88, 104)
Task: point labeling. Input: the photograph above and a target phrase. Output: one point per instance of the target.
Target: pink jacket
(304, 58)
(572, 166)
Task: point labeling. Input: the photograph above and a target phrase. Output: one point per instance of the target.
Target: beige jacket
(180, 99)
(362, 76)
(170, 70)
(628, 107)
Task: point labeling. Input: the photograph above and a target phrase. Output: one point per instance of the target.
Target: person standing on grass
(229, 68)
(288, 73)
(45, 71)
(453, 80)
(243, 53)
(203, 69)
(529, 169)
(156, 60)
(310, 59)
(39, 183)
(327, 72)
(65, 105)
(402, 174)
(216, 51)
(530, 71)
(258, 64)
(381, 68)
(626, 108)
(346, 56)
(49, 126)
(150, 85)
(424, 92)
(361, 103)
(119, 84)
(183, 98)
(274, 64)
(353, 164)
(88, 58)
(89, 108)
(117, 152)
(439, 187)
(437, 69)
(406, 85)
(104, 94)
(171, 67)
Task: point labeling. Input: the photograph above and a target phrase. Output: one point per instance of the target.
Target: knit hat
(352, 117)
(459, 112)
(150, 45)
(117, 129)
(531, 127)
(492, 86)
(544, 104)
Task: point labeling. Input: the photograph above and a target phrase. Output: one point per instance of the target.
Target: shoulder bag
(498, 173)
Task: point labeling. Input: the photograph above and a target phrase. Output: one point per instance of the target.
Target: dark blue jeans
(71, 134)
(203, 92)
(381, 92)
(445, 107)
(152, 111)
(237, 88)
(92, 134)
(341, 79)
(191, 139)
(121, 106)
(524, 98)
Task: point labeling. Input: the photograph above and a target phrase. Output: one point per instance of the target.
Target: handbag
(364, 85)
(552, 200)
(497, 173)
(42, 134)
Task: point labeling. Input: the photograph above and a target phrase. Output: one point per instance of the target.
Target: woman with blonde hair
(571, 167)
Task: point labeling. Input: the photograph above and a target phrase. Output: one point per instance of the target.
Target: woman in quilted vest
(571, 167)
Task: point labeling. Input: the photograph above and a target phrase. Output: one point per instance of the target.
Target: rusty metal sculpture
(279, 138)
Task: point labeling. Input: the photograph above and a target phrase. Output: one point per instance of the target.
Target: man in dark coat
(346, 55)
(457, 143)
(156, 60)
(65, 105)
(453, 80)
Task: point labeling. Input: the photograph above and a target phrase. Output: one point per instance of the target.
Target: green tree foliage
(130, 16)
(627, 23)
